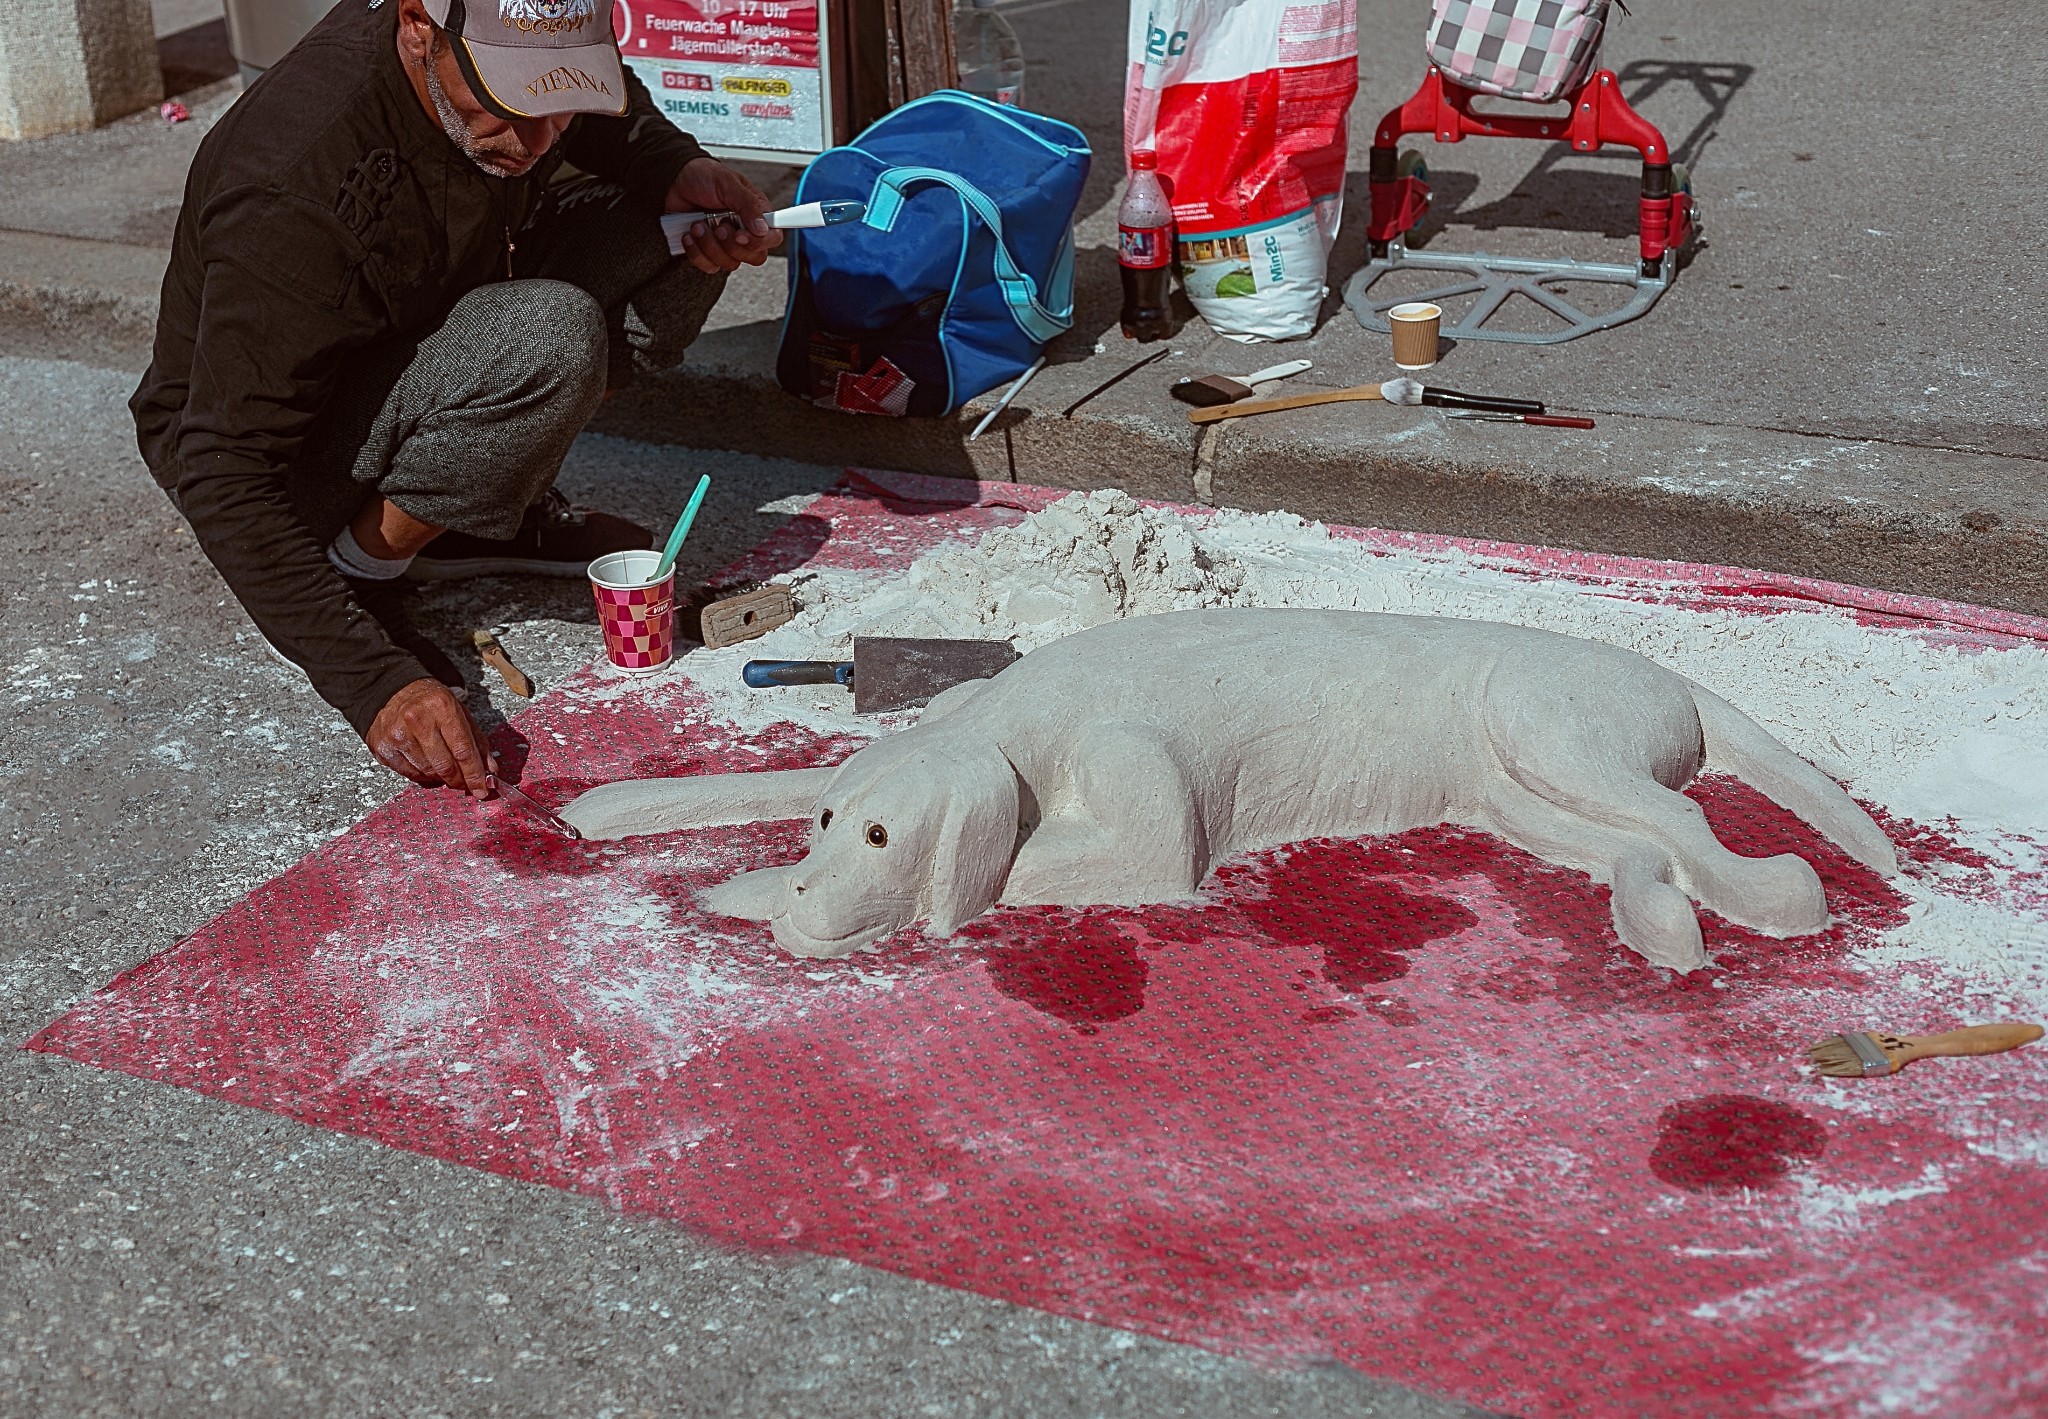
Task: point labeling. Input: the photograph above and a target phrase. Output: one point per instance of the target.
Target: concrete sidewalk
(1844, 382)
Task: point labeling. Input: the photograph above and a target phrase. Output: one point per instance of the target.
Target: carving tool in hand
(889, 672)
(1213, 389)
(493, 655)
(1394, 391)
(1554, 421)
(805, 214)
(1855, 1053)
(682, 528)
(518, 798)
(1009, 394)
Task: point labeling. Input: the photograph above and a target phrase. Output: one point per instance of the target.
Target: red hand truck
(1667, 215)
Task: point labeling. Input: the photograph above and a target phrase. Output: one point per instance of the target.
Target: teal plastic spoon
(675, 538)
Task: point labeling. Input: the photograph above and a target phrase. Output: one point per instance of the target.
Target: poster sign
(749, 78)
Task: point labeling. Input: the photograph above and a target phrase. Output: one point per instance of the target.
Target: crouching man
(385, 322)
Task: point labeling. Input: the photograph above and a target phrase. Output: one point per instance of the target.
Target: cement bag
(1246, 103)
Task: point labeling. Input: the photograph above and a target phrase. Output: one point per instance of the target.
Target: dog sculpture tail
(635, 807)
(1740, 745)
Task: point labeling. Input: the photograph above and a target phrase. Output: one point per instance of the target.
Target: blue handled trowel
(889, 672)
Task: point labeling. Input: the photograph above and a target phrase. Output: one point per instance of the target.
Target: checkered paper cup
(638, 614)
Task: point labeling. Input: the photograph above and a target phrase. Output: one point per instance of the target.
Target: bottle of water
(991, 59)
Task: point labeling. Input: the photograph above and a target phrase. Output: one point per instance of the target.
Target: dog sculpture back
(1121, 764)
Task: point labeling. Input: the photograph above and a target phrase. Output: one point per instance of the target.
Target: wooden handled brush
(492, 654)
(1244, 407)
(1855, 1053)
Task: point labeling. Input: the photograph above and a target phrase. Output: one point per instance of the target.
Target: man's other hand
(708, 185)
(425, 734)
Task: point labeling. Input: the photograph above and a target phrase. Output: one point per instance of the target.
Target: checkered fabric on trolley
(1519, 49)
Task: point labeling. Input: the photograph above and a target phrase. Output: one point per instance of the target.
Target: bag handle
(1033, 318)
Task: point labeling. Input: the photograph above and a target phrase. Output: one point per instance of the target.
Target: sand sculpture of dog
(1119, 765)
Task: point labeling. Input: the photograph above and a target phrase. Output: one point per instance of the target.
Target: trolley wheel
(1681, 181)
(1412, 164)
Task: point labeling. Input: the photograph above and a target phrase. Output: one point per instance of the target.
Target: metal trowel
(889, 672)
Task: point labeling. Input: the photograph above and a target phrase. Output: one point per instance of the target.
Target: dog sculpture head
(912, 829)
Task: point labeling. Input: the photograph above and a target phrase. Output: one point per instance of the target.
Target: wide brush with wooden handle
(1858, 1052)
(1246, 407)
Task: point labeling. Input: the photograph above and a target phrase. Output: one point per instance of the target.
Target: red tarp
(1404, 1102)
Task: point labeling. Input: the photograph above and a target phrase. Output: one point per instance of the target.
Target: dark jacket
(327, 210)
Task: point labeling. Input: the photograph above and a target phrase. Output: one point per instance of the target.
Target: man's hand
(708, 185)
(425, 734)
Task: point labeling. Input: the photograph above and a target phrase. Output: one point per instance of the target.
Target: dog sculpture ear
(977, 839)
(751, 896)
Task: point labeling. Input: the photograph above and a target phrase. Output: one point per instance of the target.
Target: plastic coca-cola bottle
(1144, 249)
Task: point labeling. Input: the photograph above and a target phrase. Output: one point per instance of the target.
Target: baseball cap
(534, 58)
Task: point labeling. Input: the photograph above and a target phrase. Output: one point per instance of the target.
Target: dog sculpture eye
(824, 820)
(878, 836)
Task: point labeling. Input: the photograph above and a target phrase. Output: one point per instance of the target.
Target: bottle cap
(1144, 160)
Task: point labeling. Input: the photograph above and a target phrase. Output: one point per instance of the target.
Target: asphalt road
(1867, 194)
(162, 1253)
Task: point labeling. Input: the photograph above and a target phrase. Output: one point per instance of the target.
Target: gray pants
(466, 426)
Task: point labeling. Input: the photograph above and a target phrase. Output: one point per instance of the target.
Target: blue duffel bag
(961, 271)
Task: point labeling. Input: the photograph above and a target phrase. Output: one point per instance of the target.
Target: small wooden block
(743, 617)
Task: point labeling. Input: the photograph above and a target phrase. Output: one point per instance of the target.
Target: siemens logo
(701, 108)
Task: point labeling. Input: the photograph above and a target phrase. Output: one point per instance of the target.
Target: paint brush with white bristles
(1393, 391)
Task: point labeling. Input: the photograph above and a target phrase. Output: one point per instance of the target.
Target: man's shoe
(556, 538)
